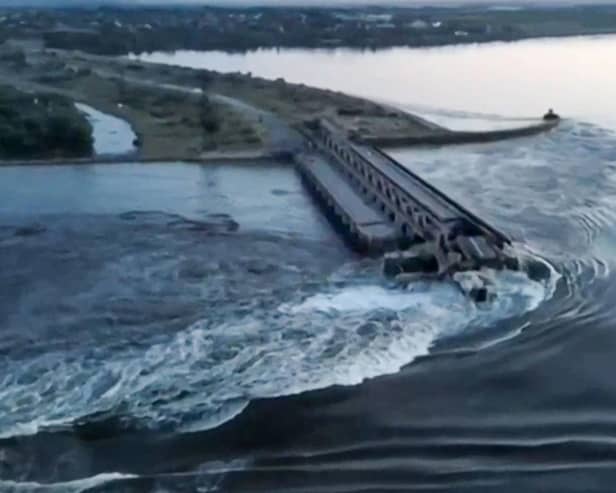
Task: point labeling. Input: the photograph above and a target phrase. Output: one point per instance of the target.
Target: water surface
(178, 327)
(575, 76)
(112, 135)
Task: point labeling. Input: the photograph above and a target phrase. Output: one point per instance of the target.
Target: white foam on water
(76, 486)
(360, 299)
(206, 374)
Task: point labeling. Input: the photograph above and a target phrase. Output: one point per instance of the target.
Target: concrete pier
(449, 137)
(364, 228)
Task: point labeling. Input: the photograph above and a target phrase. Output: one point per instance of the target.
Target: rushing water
(112, 135)
(179, 327)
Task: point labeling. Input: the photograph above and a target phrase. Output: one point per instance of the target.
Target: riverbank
(191, 114)
(187, 114)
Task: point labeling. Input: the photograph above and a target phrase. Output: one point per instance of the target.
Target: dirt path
(279, 136)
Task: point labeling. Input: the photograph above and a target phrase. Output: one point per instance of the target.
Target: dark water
(178, 328)
(145, 307)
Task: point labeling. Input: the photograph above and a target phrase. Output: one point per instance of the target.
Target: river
(176, 327)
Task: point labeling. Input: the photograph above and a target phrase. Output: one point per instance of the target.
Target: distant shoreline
(183, 114)
(142, 29)
(138, 56)
(144, 55)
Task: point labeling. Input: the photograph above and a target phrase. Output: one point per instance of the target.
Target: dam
(382, 207)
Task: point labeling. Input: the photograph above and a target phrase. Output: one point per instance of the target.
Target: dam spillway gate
(381, 206)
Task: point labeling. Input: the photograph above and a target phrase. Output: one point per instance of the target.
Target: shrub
(208, 116)
(36, 126)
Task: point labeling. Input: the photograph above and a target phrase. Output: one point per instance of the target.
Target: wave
(336, 330)
(76, 486)
(206, 374)
(555, 192)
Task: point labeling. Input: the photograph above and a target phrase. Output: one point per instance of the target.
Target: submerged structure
(382, 207)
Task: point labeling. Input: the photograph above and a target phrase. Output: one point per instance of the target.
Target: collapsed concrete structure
(382, 207)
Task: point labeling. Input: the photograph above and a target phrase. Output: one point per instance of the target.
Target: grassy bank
(180, 113)
(168, 123)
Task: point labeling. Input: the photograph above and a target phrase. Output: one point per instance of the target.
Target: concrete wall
(415, 222)
(460, 137)
(343, 223)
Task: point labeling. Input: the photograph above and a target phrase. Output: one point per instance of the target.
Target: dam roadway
(381, 206)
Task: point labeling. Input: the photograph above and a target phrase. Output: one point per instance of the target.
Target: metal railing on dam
(383, 206)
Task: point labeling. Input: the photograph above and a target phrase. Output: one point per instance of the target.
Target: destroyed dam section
(382, 207)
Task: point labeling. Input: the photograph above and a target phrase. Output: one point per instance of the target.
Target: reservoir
(489, 81)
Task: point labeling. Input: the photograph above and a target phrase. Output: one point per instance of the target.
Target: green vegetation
(41, 126)
(208, 116)
(171, 124)
(112, 31)
(176, 124)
